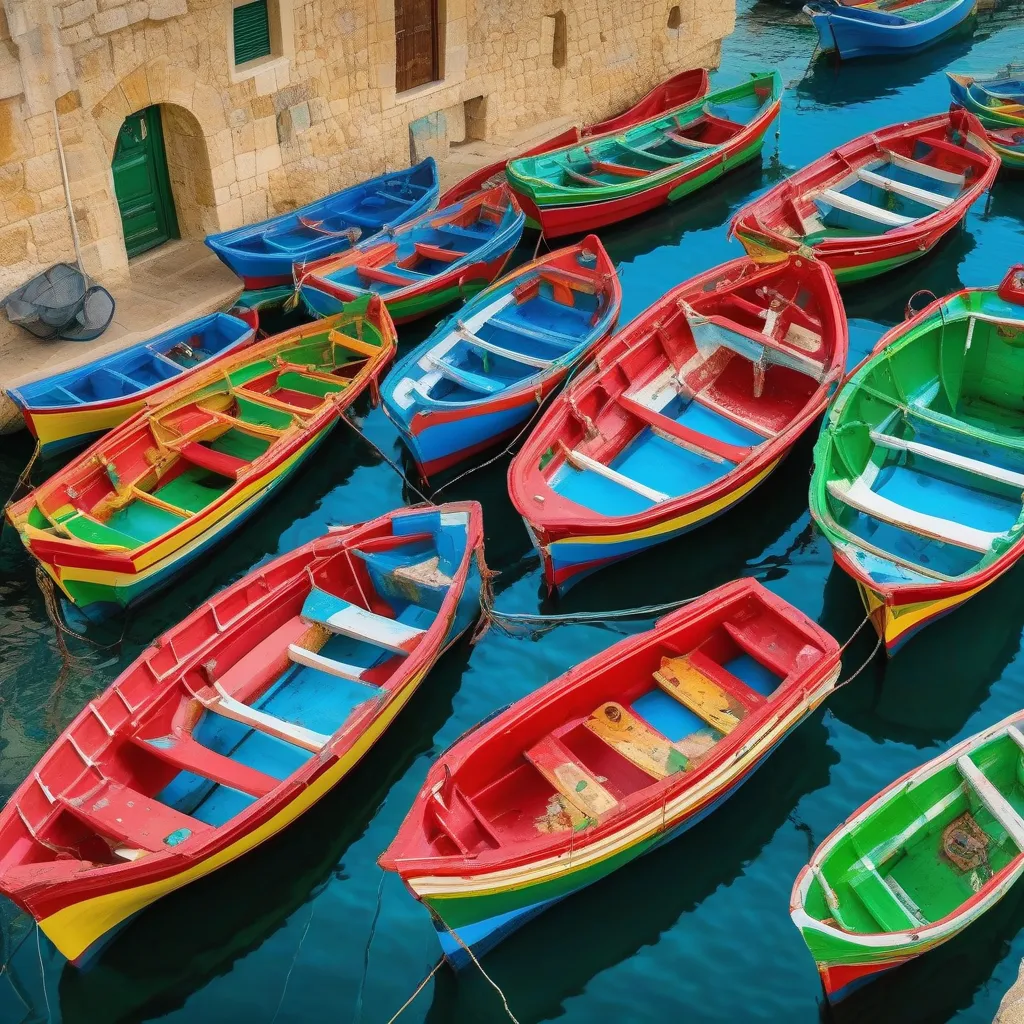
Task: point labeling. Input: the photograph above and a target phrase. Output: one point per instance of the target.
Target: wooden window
(416, 38)
(251, 32)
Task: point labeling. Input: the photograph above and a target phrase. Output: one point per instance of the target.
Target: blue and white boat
(887, 28)
(485, 370)
(262, 254)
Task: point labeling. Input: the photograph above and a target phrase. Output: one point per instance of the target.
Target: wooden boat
(887, 28)
(422, 265)
(484, 371)
(919, 469)
(622, 753)
(262, 254)
(658, 161)
(158, 491)
(681, 415)
(997, 101)
(673, 92)
(877, 202)
(236, 720)
(1009, 144)
(69, 409)
(916, 864)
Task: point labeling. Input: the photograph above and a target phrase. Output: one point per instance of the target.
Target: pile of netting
(61, 303)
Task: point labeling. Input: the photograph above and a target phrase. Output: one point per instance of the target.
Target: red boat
(623, 752)
(879, 201)
(681, 414)
(673, 92)
(236, 720)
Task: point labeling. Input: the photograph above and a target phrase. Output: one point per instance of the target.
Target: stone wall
(321, 113)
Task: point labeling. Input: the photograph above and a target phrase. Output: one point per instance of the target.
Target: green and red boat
(878, 202)
(660, 160)
(919, 469)
(917, 863)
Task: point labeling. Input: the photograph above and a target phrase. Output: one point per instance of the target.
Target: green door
(141, 183)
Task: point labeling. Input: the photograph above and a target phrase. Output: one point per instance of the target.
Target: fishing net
(61, 303)
(965, 843)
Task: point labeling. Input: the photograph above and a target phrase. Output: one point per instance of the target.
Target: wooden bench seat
(926, 170)
(189, 755)
(695, 681)
(401, 279)
(580, 461)
(466, 378)
(636, 741)
(137, 820)
(506, 353)
(216, 462)
(223, 704)
(882, 903)
(339, 616)
(933, 199)
(569, 778)
(975, 467)
(718, 450)
(992, 800)
(860, 497)
(857, 207)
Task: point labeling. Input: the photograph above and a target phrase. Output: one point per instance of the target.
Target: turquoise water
(698, 930)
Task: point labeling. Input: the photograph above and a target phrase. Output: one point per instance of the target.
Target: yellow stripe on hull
(54, 427)
(682, 522)
(74, 929)
(894, 624)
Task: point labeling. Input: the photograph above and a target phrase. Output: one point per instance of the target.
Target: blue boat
(997, 100)
(262, 254)
(885, 28)
(485, 370)
(69, 409)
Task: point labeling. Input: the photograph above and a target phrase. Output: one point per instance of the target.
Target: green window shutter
(252, 31)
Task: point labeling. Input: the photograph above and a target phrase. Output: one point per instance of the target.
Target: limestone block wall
(317, 115)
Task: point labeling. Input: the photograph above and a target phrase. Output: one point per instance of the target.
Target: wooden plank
(506, 353)
(974, 466)
(862, 498)
(684, 681)
(556, 763)
(861, 209)
(711, 446)
(994, 802)
(299, 736)
(926, 170)
(581, 461)
(339, 616)
(303, 656)
(635, 740)
(919, 195)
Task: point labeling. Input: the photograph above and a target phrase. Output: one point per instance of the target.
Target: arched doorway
(142, 184)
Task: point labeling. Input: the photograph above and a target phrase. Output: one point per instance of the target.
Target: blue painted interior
(306, 696)
(758, 677)
(667, 715)
(666, 466)
(711, 423)
(594, 491)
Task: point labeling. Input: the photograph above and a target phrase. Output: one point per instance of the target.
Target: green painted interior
(142, 184)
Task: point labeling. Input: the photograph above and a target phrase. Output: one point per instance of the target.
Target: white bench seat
(506, 353)
(973, 466)
(346, 619)
(581, 461)
(860, 497)
(994, 802)
(926, 170)
(226, 706)
(859, 208)
(900, 188)
(330, 666)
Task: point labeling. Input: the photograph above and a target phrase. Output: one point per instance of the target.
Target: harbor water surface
(306, 928)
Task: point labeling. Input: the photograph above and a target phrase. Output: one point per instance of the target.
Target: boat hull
(557, 220)
(493, 909)
(568, 559)
(842, 31)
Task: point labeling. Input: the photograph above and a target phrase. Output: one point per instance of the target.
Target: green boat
(917, 863)
(919, 469)
(601, 181)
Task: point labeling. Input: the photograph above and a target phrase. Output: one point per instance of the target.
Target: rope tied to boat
(24, 483)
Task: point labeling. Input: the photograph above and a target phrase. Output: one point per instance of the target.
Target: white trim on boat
(927, 171)
(580, 461)
(861, 209)
(995, 803)
(298, 735)
(964, 462)
(506, 353)
(310, 659)
(919, 195)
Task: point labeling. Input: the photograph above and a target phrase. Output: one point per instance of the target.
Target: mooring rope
(419, 988)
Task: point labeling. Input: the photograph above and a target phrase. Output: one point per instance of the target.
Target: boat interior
(181, 745)
(894, 12)
(928, 847)
(927, 450)
(140, 367)
(425, 248)
(615, 737)
(694, 393)
(176, 462)
(885, 191)
(355, 213)
(521, 331)
(681, 136)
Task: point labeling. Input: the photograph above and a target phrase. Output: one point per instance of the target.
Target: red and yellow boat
(237, 720)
